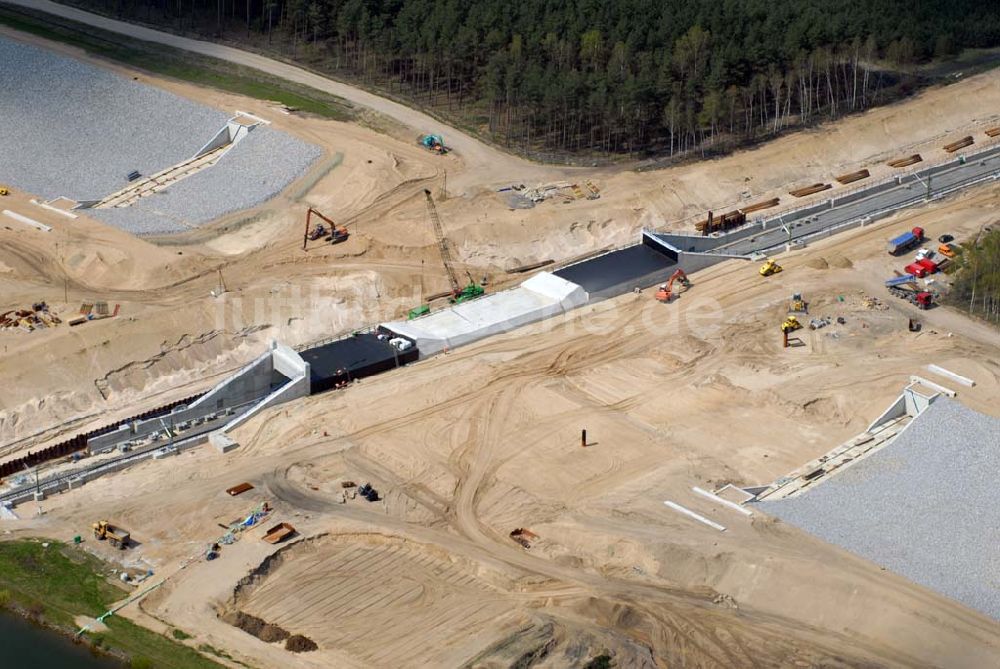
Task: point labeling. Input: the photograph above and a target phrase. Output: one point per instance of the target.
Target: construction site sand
(171, 328)
(466, 447)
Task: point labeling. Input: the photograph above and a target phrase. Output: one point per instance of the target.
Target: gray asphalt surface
(926, 507)
(912, 191)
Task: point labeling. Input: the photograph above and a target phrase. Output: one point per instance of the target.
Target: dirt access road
(465, 447)
(483, 163)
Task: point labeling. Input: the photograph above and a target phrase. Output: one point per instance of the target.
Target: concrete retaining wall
(143, 428)
(250, 383)
(294, 389)
(287, 361)
(280, 359)
(222, 138)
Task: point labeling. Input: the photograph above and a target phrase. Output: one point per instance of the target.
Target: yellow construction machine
(791, 324)
(4, 190)
(116, 536)
(770, 267)
(797, 305)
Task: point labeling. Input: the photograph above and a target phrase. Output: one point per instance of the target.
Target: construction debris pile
(235, 529)
(95, 311)
(38, 317)
(523, 197)
(872, 303)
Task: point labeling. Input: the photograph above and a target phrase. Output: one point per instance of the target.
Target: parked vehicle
(905, 241)
(920, 298)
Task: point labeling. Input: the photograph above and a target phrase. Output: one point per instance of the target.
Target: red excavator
(665, 292)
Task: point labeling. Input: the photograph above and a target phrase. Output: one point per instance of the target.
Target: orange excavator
(333, 234)
(665, 292)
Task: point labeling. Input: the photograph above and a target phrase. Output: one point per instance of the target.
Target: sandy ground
(466, 447)
(173, 338)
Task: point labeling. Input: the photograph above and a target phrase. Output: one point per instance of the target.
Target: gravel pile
(255, 170)
(72, 129)
(926, 507)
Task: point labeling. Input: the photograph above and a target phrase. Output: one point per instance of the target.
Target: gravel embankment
(74, 130)
(926, 507)
(69, 128)
(252, 172)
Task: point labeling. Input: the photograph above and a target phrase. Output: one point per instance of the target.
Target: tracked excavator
(334, 234)
(665, 292)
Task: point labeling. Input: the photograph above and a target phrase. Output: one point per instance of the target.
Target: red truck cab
(929, 265)
(916, 269)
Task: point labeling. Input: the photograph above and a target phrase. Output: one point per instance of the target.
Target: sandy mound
(818, 263)
(300, 644)
(841, 262)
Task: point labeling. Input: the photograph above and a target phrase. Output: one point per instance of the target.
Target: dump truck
(900, 280)
(929, 265)
(905, 241)
(909, 292)
(115, 536)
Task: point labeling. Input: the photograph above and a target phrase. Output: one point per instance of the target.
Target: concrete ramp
(236, 129)
(543, 296)
(278, 376)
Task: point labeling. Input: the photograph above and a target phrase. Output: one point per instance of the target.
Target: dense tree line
(616, 76)
(977, 280)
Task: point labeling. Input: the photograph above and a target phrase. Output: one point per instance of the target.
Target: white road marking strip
(725, 502)
(688, 512)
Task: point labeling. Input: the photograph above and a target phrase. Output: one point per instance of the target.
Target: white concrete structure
(957, 378)
(724, 502)
(27, 221)
(933, 386)
(691, 514)
(223, 443)
(289, 364)
(542, 296)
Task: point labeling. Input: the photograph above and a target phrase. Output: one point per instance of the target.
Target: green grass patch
(58, 582)
(178, 64)
(180, 635)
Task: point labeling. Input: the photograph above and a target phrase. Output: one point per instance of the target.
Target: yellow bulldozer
(115, 536)
(770, 267)
(791, 324)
